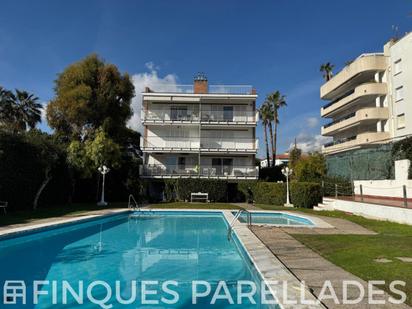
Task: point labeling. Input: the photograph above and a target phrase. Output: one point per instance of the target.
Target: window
(401, 121)
(178, 113)
(228, 113)
(398, 66)
(399, 93)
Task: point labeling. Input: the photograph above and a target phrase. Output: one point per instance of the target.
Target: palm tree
(6, 107)
(327, 69)
(276, 100)
(19, 111)
(28, 110)
(264, 116)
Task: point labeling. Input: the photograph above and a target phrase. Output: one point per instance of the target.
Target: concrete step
(323, 206)
(328, 200)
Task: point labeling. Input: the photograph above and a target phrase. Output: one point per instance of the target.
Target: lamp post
(287, 172)
(103, 170)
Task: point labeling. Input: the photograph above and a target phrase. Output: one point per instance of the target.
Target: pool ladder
(235, 218)
(132, 203)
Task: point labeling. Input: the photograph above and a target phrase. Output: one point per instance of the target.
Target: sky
(272, 45)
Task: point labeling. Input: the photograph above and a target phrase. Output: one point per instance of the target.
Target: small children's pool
(276, 218)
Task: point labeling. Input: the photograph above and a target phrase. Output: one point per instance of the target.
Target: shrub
(403, 150)
(344, 186)
(181, 189)
(305, 194)
(310, 168)
(269, 193)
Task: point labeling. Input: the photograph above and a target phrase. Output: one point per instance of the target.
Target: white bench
(4, 206)
(199, 196)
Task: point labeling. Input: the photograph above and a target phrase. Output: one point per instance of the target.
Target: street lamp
(287, 172)
(103, 170)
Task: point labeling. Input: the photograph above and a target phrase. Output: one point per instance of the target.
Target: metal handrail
(235, 218)
(129, 204)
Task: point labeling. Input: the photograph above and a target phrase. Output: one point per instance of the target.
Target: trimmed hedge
(272, 193)
(302, 194)
(180, 189)
(305, 194)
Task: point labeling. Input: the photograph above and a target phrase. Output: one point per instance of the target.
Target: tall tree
(276, 100)
(264, 115)
(90, 94)
(327, 70)
(19, 111)
(294, 155)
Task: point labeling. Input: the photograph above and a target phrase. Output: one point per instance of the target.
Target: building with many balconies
(199, 131)
(370, 99)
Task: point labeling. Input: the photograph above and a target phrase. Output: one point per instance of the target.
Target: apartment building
(370, 99)
(200, 131)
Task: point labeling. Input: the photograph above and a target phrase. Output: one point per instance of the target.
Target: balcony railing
(351, 115)
(221, 171)
(340, 141)
(205, 143)
(192, 115)
(212, 89)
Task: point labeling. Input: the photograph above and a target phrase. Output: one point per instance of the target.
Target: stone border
(318, 223)
(271, 268)
(55, 222)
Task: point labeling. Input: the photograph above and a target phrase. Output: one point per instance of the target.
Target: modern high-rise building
(199, 131)
(370, 99)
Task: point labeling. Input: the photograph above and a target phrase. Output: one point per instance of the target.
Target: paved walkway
(310, 267)
(38, 223)
(394, 202)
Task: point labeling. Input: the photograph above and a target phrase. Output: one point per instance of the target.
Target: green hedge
(302, 194)
(180, 189)
(270, 193)
(305, 194)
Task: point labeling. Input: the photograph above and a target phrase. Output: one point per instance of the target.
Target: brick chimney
(200, 83)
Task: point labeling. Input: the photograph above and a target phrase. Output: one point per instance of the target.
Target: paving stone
(383, 260)
(405, 259)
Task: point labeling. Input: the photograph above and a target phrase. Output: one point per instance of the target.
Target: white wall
(388, 188)
(402, 50)
(373, 211)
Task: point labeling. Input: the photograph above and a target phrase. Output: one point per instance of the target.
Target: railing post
(336, 190)
(361, 192)
(405, 197)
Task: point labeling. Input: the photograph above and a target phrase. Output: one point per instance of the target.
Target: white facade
(201, 131)
(370, 100)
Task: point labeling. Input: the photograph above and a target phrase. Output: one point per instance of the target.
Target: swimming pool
(276, 218)
(150, 246)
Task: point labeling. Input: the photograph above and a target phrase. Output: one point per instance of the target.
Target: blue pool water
(160, 246)
(275, 218)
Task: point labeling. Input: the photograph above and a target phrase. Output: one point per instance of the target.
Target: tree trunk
(267, 145)
(275, 135)
(272, 143)
(43, 185)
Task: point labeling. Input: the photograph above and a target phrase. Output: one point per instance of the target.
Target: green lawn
(195, 205)
(356, 254)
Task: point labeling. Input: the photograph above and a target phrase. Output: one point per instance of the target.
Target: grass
(356, 253)
(181, 205)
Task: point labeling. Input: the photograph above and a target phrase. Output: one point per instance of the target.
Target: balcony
(203, 171)
(212, 89)
(359, 71)
(356, 141)
(361, 94)
(204, 145)
(363, 116)
(191, 115)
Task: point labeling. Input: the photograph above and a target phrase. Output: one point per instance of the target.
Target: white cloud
(310, 143)
(312, 122)
(153, 81)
